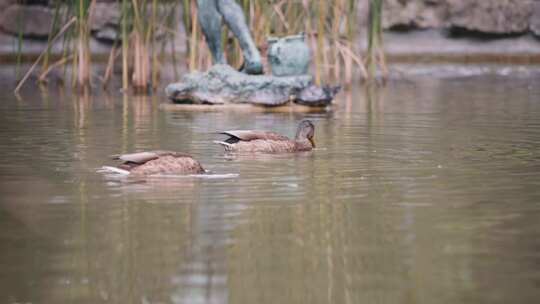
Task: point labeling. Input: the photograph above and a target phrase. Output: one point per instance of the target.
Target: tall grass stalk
(83, 12)
(125, 46)
(141, 76)
(54, 28)
(193, 43)
(330, 28)
(110, 66)
(153, 43)
(29, 72)
(375, 53)
(19, 48)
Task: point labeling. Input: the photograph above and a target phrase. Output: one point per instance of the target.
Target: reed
(330, 27)
(19, 50)
(375, 53)
(52, 32)
(143, 20)
(125, 45)
(29, 72)
(83, 13)
(141, 72)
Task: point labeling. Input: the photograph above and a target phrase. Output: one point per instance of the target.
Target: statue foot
(252, 68)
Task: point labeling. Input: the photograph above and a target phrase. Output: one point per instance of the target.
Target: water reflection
(418, 192)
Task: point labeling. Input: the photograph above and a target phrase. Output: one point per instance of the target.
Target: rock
(35, 21)
(106, 21)
(317, 96)
(492, 17)
(224, 85)
(5, 3)
(534, 22)
(414, 13)
(489, 16)
(105, 25)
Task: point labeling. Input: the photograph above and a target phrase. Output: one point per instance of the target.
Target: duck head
(306, 130)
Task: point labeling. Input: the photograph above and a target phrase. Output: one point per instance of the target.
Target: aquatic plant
(29, 72)
(375, 54)
(82, 10)
(54, 29)
(330, 28)
(140, 23)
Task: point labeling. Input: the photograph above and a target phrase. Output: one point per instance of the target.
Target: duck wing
(249, 135)
(143, 157)
(159, 162)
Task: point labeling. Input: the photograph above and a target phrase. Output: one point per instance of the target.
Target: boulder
(491, 17)
(414, 13)
(105, 24)
(33, 21)
(106, 21)
(534, 22)
(222, 84)
(5, 3)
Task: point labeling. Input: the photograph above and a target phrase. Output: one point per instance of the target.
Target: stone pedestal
(224, 85)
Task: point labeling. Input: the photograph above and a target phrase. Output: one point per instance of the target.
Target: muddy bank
(434, 45)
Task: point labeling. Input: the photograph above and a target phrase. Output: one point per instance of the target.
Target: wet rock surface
(535, 19)
(406, 14)
(106, 21)
(32, 21)
(494, 17)
(490, 17)
(224, 85)
(316, 95)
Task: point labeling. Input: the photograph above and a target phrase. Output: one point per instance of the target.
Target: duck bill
(312, 141)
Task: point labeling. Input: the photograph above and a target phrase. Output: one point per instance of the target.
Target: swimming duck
(268, 141)
(159, 162)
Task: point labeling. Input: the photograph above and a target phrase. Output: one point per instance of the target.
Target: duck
(158, 162)
(268, 141)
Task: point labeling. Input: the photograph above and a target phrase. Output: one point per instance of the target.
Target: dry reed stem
(125, 47)
(277, 9)
(83, 47)
(356, 58)
(110, 66)
(43, 76)
(60, 33)
(334, 54)
(152, 42)
(193, 43)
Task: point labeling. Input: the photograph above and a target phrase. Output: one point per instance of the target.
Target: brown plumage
(268, 141)
(159, 162)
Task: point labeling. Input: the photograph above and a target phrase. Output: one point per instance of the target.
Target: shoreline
(426, 46)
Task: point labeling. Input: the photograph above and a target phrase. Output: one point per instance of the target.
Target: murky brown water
(426, 191)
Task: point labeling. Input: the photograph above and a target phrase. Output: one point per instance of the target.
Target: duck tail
(225, 144)
(109, 169)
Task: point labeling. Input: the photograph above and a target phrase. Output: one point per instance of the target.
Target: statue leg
(234, 18)
(210, 21)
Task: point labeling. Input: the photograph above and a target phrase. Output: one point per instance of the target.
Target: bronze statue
(288, 59)
(211, 12)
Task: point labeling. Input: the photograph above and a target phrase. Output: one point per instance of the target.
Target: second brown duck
(268, 141)
(159, 162)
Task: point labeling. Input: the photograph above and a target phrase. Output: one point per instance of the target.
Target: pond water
(425, 191)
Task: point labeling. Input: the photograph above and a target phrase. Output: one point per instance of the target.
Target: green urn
(288, 56)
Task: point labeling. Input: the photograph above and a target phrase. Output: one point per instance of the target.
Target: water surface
(426, 191)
